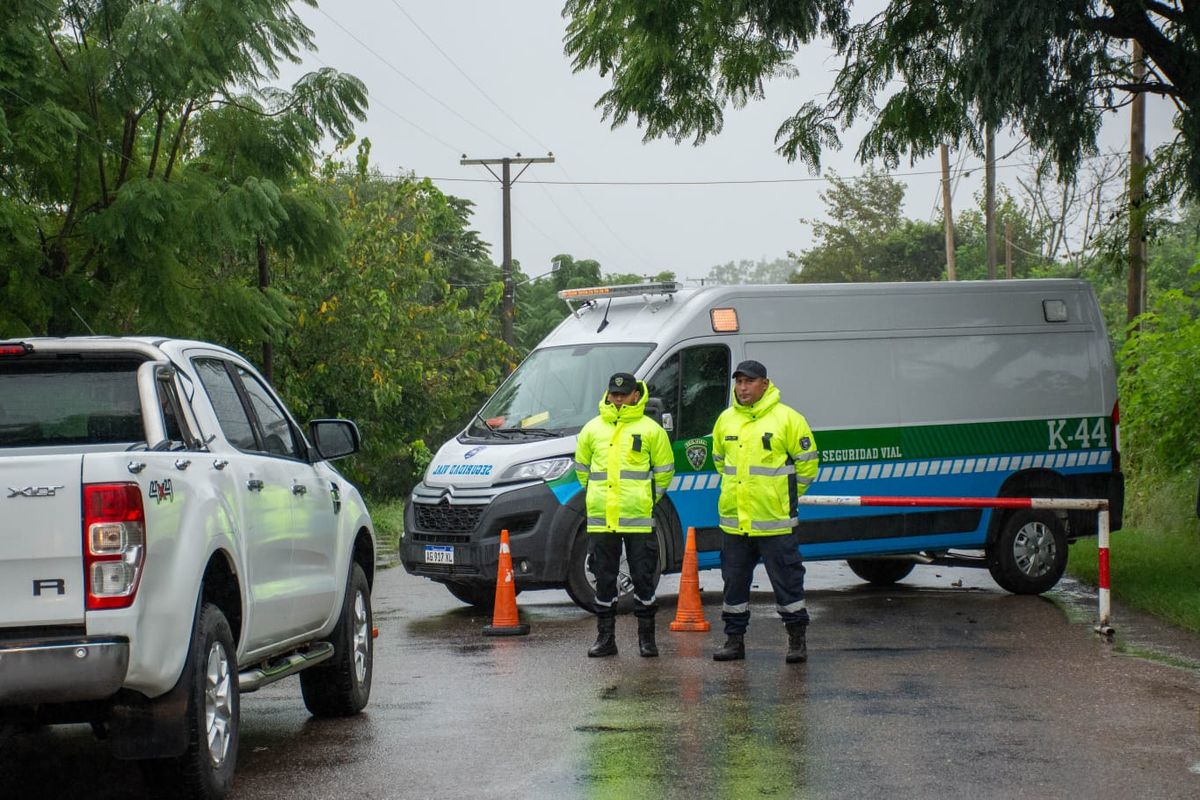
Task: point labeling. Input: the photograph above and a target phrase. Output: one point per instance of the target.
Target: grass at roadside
(388, 517)
(1154, 562)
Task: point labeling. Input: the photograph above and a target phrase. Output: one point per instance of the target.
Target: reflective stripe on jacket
(625, 462)
(764, 453)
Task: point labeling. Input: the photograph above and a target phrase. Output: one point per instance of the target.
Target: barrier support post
(1104, 628)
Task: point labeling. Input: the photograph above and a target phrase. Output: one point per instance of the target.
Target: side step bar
(282, 667)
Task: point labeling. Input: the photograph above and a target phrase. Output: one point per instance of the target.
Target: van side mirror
(654, 409)
(334, 438)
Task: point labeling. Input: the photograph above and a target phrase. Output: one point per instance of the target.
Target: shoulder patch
(805, 443)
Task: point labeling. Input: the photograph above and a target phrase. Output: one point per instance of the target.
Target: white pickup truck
(169, 540)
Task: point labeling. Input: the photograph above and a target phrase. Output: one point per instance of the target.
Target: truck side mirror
(334, 438)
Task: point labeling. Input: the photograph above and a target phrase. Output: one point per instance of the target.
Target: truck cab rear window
(46, 402)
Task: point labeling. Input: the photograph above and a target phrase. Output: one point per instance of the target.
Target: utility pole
(948, 215)
(1136, 287)
(506, 181)
(989, 203)
(1008, 246)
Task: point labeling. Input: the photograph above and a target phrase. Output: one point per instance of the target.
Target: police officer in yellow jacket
(625, 462)
(767, 458)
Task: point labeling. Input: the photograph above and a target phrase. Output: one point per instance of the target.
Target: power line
(504, 112)
(416, 85)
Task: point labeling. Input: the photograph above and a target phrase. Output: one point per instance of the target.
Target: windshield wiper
(501, 432)
(542, 433)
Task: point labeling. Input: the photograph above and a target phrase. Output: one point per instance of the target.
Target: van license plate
(439, 554)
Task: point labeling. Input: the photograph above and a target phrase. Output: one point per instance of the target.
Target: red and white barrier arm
(1051, 503)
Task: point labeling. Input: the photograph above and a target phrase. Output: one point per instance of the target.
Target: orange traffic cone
(689, 612)
(505, 621)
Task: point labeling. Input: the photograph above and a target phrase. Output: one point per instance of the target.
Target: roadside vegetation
(154, 180)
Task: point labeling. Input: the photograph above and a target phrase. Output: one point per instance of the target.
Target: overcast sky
(489, 79)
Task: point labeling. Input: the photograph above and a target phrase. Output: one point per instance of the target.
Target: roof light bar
(623, 290)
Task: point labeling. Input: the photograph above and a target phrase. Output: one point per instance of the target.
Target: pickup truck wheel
(341, 686)
(205, 770)
(581, 581)
(880, 571)
(1030, 552)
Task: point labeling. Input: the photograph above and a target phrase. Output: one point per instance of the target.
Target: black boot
(797, 648)
(606, 643)
(734, 649)
(646, 645)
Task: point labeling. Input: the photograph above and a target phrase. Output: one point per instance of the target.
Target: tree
(868, 239)
(780, 270)
(147, 169)
(1030, 235)
(380, 334)
(923, 72)
(538, 309)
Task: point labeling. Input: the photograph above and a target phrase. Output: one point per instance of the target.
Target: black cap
(751, 369)
(622, 383)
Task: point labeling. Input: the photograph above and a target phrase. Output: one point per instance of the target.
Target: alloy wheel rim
(362, 634)
(218, 703)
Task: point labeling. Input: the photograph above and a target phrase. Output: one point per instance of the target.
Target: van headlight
(546, 469)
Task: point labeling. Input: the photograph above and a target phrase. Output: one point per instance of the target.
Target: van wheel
(205, 770)
(1030, 553)
(880, 571)
(581, 581)
(341, 686)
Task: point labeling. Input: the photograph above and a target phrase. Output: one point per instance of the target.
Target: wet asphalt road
(944, 687)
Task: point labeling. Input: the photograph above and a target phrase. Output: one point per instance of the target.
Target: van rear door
(41, 539)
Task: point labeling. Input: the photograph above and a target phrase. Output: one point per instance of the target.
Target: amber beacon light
(724, 320)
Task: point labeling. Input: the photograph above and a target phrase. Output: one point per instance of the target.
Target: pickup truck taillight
(114, 543)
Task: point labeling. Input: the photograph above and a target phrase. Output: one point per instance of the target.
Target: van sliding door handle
(254, 485)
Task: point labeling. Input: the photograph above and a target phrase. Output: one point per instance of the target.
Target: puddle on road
(1078, 602)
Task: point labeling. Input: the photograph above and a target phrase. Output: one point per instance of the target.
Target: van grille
(445, 518)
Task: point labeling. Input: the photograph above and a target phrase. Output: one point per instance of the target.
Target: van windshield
(555, 390)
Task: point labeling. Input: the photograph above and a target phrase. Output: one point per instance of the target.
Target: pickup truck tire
(205, 770)
(341, 686)
(1029, 554)
(880, 571)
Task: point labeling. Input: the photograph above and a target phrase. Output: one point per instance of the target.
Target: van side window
(664, 385)
(694, 387)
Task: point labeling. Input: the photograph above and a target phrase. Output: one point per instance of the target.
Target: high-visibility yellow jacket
(625, 462)
(767, 456)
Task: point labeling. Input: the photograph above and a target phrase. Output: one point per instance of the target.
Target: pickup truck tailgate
(41, 540)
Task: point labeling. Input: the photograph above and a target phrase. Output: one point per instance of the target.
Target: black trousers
(781, 556)
(641, 550)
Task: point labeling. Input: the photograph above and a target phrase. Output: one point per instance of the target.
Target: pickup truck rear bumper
(62, 669)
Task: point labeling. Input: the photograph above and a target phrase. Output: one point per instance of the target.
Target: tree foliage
(147, 166)
(383, 335)
(778, 270)
(1162, 382)
(921, 72)
(867, 238)
(538, 307)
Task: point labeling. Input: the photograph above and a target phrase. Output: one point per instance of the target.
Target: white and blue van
(967, 389)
